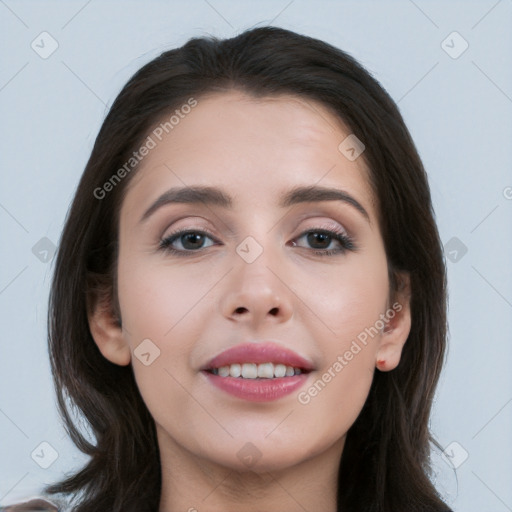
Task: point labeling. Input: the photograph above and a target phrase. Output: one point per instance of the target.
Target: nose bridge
(256, 265)
(256, 290)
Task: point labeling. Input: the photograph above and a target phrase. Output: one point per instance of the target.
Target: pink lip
(261, 352)
(258, 390)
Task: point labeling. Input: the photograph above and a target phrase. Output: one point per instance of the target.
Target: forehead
(277, 120)
(256, 147)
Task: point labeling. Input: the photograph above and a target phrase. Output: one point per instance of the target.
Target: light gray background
(457, 109)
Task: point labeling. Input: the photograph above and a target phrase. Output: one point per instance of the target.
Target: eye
(192, 241)
(189, 239)
(321, 239)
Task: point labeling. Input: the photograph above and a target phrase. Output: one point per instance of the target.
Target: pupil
(194, 238)
(313, 238)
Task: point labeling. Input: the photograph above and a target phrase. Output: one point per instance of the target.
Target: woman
(249, 299)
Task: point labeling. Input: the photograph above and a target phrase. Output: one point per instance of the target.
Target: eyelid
(189, 226)
(329, 225)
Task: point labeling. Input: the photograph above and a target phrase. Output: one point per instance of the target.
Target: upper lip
(260, 352)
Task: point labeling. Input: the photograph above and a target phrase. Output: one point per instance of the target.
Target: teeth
(253, 371)
(265, 371)
(235, 370)
(249, 371)
(280, 370)
(224, 371)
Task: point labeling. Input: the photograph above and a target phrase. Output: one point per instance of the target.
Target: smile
(256, 371)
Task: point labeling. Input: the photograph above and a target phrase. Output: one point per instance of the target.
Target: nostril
(240, 310)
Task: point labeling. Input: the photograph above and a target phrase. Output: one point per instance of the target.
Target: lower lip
(258, 390)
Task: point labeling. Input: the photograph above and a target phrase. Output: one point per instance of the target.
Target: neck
(194, 484)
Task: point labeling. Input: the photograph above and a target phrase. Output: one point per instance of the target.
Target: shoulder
(33, 505)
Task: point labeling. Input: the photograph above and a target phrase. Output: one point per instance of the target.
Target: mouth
(259, 372)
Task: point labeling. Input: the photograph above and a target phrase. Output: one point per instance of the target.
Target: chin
(259, 454)
(261, 462)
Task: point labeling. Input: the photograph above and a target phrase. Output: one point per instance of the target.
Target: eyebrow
(217, 197)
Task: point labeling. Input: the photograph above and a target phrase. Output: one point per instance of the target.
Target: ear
(107, 332)
(397, 328)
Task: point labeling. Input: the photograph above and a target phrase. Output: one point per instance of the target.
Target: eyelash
(347, 242)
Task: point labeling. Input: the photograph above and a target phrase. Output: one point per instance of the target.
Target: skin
(188, 306)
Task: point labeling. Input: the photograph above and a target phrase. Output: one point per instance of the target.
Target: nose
(258, 292)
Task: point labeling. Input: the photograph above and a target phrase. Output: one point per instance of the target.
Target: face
(308, 278)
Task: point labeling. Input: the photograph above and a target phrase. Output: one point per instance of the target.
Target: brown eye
(190, 241)
(321, 239)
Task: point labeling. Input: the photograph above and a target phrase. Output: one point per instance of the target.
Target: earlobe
(108, 335)
(397, 328)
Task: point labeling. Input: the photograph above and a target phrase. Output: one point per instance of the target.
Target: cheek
(160, 304)
(169, 306)
(349, 304)
(336, 397)
(346, 298)
(155, 298)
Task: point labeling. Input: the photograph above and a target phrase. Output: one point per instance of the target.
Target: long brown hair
(385, 462)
